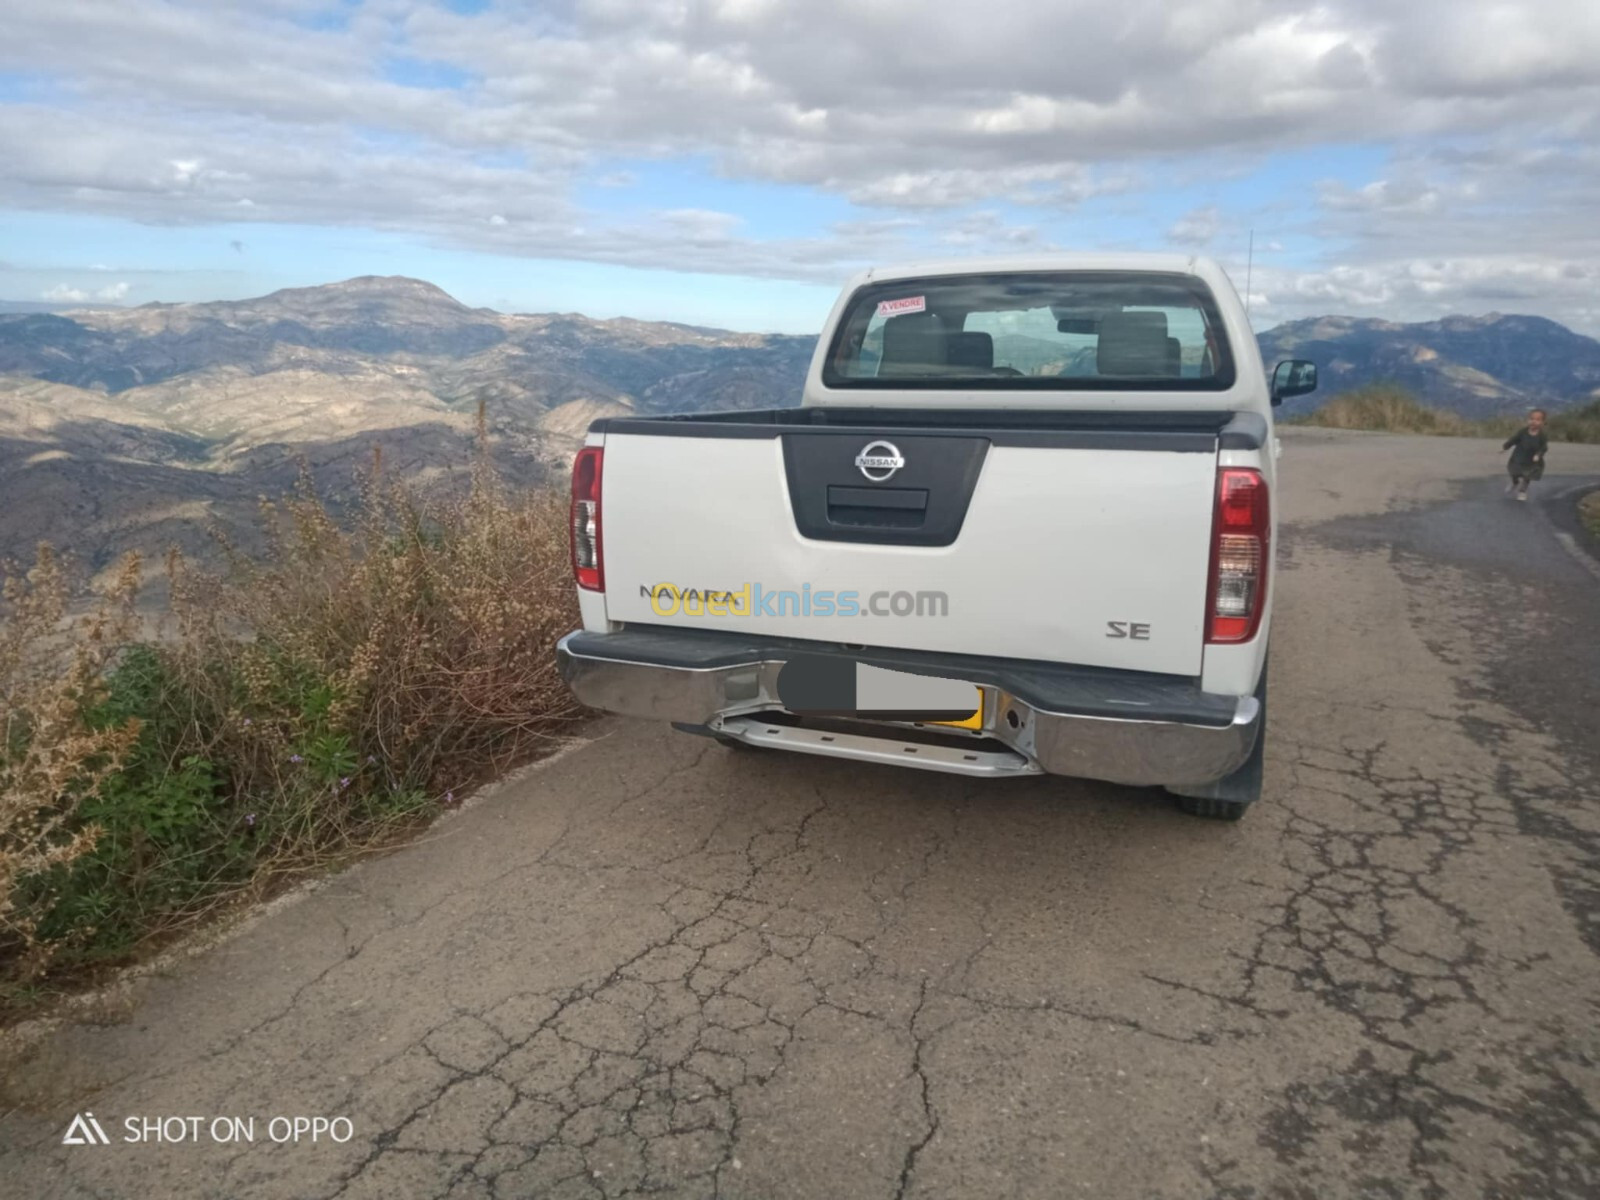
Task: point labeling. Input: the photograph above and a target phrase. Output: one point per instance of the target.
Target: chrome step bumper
(1122, 727)
(879, 746)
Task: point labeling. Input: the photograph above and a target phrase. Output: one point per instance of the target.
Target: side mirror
(1293, 377)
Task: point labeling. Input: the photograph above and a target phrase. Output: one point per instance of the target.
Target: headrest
(970, 350)
(912, 344)
(1134, 344)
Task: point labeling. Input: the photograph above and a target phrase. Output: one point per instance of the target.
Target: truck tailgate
(1088, 549)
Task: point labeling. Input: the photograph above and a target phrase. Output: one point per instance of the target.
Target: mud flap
(1243, 785)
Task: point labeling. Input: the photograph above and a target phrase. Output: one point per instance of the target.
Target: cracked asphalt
(655, 966)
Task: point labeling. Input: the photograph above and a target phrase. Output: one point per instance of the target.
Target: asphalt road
(656, 966)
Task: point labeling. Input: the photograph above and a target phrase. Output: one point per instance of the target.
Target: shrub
(302, 703)
(1589, 513)
(1384, 407)
(1576, 424)
(1391, 409)
(163, 841)
(53, 760)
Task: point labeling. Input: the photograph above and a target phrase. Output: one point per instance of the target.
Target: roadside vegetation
(299, 705)
(1390, 409)
(1589, 513)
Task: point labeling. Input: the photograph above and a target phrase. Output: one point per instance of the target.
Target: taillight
(588, 557)
(1240, 531)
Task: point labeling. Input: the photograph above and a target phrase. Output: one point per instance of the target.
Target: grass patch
(1589, 513)
(1386, 408)
(303, 704)
(1383, 408)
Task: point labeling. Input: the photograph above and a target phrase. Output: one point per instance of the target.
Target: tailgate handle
(906, 499)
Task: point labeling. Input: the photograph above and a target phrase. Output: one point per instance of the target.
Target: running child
(1527, 448)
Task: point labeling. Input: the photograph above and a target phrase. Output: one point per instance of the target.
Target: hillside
(1475, 366)
(414, 328)
(137, 427)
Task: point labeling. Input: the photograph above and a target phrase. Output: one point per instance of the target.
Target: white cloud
(843, 98)
(63, 293)
(1383, 195)
(700, 224)
(184, 111)
(1198, 228)
(1425, 288)
(1062, 184)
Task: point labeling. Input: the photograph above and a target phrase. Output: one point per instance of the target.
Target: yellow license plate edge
(975, 721)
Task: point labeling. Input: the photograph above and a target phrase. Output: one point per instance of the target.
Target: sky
(733, 162)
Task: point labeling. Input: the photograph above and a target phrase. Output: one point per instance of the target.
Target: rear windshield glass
(1030, 331)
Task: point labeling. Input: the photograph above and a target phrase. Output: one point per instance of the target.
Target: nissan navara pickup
(1022, 523)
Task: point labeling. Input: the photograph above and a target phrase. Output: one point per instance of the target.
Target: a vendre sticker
(899, 308)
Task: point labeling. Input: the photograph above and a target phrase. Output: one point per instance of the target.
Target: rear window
(1069, 330)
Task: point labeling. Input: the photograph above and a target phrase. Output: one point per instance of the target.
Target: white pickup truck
(1022, 523)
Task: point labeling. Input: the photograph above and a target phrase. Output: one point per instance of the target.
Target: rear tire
(1212, 809)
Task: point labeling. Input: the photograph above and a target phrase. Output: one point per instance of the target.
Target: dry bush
(1386, 408)
(52, 675)
(424, 637)
(1589, 513)
(1575, 424)
(302, 703)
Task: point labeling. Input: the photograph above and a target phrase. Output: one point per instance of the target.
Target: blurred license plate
(975, 721)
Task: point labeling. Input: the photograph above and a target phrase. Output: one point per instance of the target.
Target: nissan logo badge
(878, 461)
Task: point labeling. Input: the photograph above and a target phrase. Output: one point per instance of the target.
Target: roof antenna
(1249, 264)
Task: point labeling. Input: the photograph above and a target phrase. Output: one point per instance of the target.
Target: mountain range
(1476, 366)
(140, 427)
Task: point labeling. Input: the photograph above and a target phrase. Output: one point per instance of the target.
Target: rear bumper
(1121, 726)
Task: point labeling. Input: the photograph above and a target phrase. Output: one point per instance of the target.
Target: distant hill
(132, 427)
(1476, 366)
(343, 327)
(44, 306)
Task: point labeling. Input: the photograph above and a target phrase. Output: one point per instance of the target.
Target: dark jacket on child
(1527, 454)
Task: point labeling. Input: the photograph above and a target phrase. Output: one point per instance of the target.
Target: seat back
(912, 345)
(975, 350)
(1133, 344)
